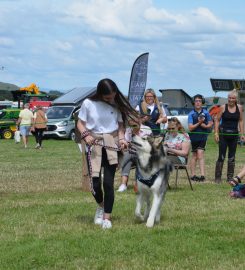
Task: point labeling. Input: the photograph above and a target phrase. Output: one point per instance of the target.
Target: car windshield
(59, 112)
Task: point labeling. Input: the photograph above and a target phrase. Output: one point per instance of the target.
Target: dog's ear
(158, 141)
(150, 139)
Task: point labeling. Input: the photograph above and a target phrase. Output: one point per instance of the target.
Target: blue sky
(61, 44)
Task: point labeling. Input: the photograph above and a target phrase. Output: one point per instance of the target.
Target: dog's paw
(139, 217)
(149, 223)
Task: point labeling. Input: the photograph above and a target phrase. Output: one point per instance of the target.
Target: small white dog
(152, 173)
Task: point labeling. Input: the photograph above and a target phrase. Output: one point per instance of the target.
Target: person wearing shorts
(199, 123)
(195, 145)
(25, 121)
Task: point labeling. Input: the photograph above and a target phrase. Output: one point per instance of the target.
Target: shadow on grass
(85, 219)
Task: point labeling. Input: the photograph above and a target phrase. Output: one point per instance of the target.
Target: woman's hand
(123, 144)
(89, 140)
(171, 150)
(216, 137)
(161, 120)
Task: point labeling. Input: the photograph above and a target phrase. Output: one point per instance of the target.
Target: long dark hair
(106, 87)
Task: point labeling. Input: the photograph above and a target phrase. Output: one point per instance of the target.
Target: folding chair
(182, 167)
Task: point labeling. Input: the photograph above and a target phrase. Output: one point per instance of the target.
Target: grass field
(46, 221)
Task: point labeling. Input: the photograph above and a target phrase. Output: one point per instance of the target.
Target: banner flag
(227, 84)
(138, 80)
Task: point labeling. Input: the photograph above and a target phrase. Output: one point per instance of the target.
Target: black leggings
(229, 142)
(39, 135)
(108, 184)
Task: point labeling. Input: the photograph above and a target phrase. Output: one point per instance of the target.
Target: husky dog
(152, 173)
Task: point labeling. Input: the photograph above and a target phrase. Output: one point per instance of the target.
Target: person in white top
(101, 121)
(150, 105)
(141, 130)
(25, 121)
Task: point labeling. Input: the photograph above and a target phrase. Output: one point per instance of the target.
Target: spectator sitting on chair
(134, 129)
(177, 142)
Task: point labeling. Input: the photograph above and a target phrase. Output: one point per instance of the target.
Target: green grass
(46, 221)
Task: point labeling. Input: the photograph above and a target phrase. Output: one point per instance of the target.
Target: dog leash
(89, 150)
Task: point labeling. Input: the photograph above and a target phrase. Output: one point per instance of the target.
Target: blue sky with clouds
(61, 44)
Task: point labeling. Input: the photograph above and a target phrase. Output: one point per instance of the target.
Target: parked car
(180, 113)
(61, 123)
(179, 104)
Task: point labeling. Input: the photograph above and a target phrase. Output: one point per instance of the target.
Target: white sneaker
(122, 188)
(106, 224)
(98, 218)
(37, 146)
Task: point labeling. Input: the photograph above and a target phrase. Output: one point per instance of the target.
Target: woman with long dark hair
(102, 121)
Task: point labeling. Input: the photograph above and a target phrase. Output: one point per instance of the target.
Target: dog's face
(150, 153)
(147, 144)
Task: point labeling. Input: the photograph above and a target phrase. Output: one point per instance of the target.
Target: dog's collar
(149, 182)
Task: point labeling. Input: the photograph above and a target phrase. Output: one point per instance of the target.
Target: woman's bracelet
(216, 133)
(84, 134)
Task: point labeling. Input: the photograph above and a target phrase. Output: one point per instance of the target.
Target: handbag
(17, 136)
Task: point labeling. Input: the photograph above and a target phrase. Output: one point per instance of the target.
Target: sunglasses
(173, 119)
(149, 96)
(171, 128)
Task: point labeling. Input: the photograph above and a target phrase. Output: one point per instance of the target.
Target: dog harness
(149, 182)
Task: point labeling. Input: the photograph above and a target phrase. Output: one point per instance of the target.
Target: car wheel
(7, 134)
(72, 135)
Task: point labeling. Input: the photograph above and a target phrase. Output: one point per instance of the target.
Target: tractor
(8, 118)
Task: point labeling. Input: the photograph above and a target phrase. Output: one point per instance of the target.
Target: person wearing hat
(39, 126)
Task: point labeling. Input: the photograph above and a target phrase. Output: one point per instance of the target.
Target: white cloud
(64, 46)
(140, 19)
(153, 14)
(70, 42)
(6, 41)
